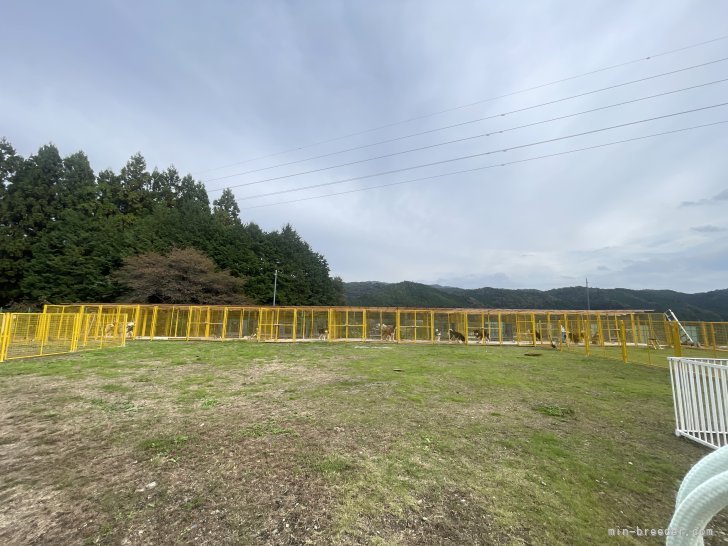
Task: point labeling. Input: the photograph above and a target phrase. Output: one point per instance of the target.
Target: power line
(495, 132)
(490, 152)
(526, 160)
(424, 116)
(494, 116)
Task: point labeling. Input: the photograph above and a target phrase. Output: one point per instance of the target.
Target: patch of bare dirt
(73, 469)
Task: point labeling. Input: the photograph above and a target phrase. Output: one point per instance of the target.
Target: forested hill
(710, 306)
(67, 234)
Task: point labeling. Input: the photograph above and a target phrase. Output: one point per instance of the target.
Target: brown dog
(481, 335)
(387, 332)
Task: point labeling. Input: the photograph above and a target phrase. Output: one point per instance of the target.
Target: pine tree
(72, 260)
(77, 185)
(136, 199)
(226, 209)
(30, 205)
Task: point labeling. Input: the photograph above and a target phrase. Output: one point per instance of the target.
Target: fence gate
(700, 396)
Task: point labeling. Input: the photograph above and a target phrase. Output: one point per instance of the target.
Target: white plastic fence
(700, 396)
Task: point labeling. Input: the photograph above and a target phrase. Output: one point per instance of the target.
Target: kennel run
(68, 328)
(497, 326)
(280, 324)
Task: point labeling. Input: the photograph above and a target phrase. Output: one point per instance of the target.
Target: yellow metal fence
(24, 335)
(629, 336)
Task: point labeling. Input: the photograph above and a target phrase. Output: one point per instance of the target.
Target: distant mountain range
(708, 306)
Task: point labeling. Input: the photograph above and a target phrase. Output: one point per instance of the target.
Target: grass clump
(332, 464)
(210, 402)
(164, 445)
(554, 410)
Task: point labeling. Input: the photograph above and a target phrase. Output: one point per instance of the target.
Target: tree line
(707, 306)
(68, 234)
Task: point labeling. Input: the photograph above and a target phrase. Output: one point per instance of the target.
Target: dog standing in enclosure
(387, 332)
(481, 335)
(456, 336)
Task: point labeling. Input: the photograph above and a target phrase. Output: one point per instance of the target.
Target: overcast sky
(207, 86)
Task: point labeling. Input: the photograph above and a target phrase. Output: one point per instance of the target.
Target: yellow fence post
(40, 333)
(548, 327)
(259, 328)
(712, 340)
(295, 324)
(223, 332)
(500, 330)
(461, 319)
(137, 321)
(587, 336)
(634, 330)
(76, 331)
(153, 328)
(600, 333)
(677, 346)
(5, 329)
(122, 329)
(207, 323)
(623, 340)
(189, 323)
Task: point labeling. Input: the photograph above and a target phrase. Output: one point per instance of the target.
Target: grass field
(245, 443)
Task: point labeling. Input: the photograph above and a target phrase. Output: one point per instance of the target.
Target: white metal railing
(700, 397)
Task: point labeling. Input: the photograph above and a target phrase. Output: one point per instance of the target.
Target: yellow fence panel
(312, 324)
(348, 324)
(25, 335)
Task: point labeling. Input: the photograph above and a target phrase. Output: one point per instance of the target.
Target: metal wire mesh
(24, 335)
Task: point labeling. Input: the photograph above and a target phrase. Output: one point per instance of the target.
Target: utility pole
(588, 308)
(275, 286)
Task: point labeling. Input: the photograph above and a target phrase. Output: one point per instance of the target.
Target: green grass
(332, 464)
(554, 410)
(164, 445)
(331, 443)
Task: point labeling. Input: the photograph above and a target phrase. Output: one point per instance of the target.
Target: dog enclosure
(623, 334)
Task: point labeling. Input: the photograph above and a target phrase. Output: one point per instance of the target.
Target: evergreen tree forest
(67, 232)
